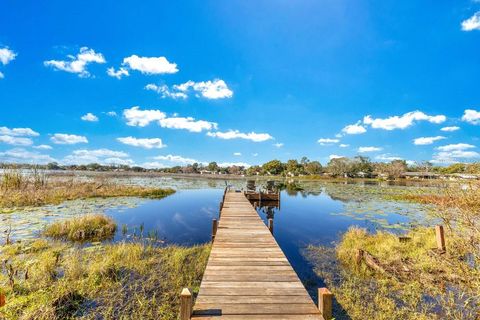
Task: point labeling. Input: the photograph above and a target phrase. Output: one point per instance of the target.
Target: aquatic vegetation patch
(55, 191)
(57, 280)
(407, 279)
(91, 227)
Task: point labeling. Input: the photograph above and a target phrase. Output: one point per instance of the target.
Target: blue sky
(159, 83)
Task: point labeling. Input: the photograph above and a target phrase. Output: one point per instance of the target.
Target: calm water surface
(317, 216)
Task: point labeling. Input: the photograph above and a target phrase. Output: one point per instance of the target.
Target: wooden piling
(214, 228)
(186, 304)
(325, 299)
(440, 238)
(255, 205)
(270, 225)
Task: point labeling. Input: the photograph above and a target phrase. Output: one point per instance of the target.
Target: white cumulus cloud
(18, 132)
(335, 156)
(147, 143)
(472, 23)
(141, 118)
(20, 155)
(471, 116)
(43, 147)
(458, 146)
(454, 153)
(278, 145)
(187, 123)
(427, 140)
(78, 63)
(237, 154)
(368, 149)
(16, 141)
(327, 141)
(235, 134)
(150, 65)
(6, 56)
(403, 121)
(121, 72)
(450, 129)
(356, 128)
(216, 89)
(89, 117)
(343, 145)
(165, 92)
(63, 138)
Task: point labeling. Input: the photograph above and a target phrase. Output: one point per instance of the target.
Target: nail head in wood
(325, 299)
(186, 303)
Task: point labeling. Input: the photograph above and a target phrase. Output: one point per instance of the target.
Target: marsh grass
(57, 280)
(19, 189)
(91, 227)
(419, 282)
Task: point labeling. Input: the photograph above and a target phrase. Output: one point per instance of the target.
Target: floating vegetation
(92, 227)
(28, 223)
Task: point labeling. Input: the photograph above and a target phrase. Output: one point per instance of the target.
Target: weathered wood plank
(248, 275)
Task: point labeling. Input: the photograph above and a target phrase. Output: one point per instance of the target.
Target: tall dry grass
(21, 189)
(55, 280)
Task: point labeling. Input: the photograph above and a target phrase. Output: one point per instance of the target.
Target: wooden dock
(248, 275)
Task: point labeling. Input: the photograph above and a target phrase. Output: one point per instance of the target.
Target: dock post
(214, 228)
(255, 205)
(325, 298)
(270, 225)
(186, 304)
(440, 238)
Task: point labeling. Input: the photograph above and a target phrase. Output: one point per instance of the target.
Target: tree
(397, 168)
(213, 166)
(293, 167)
(254, 170)
(53, 166)
(313, 167)
(361, 164)
(339, 166)
(274, 167)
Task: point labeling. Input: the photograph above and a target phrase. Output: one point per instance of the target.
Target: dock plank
(247, 275)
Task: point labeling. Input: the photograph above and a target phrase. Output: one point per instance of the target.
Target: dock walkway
(248, 275)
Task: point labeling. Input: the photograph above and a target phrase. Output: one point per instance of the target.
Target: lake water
(318, 215)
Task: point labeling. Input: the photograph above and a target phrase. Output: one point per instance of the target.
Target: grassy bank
(413, 281)
(20, 190)
(377, 276)
(55, 280)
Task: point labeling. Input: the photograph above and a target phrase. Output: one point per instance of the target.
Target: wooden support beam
(440, 235)
(186, 304)
(214, 228)
(270, 225)
(325, 299)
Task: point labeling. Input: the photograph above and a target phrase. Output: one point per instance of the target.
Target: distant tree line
(358, 166)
